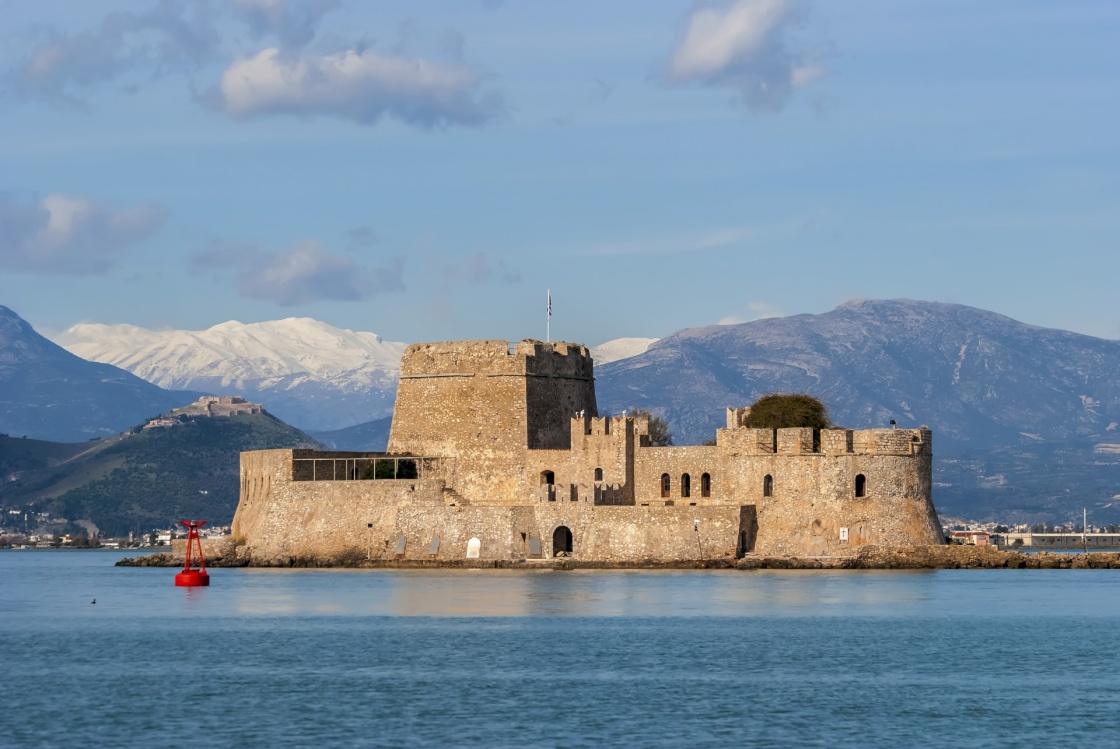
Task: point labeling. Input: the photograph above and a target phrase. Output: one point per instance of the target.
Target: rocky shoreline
(866, 558)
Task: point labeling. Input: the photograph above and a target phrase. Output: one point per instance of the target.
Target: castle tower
(483, 405)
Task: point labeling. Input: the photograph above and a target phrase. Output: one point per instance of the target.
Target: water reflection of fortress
(500, 454)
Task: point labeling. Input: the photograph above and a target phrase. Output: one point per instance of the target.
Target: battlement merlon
(736, 416)
(617, 427)
(495, 358)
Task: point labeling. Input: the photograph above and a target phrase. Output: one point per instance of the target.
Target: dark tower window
(861, 485)
(686, 485)
(548, 478)
(705, 485)
(666, 484)
(768, 486)
(598, 474)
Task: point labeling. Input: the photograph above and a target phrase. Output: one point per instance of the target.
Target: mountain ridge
(306, 371)
(1019, 412)
(50, 393)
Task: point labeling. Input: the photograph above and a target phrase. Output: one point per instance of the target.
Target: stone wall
(653, 462)
(367, 519)
(813, 498)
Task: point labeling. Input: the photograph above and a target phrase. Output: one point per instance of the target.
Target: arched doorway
(562, 541)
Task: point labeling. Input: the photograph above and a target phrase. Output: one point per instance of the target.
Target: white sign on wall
(843, 534)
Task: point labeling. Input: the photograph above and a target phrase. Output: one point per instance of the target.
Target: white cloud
(744, 46)
(169, 36)
(305, 273)
(357, 85)
(65, 235)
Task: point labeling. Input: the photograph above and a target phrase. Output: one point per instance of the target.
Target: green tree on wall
(784, 410)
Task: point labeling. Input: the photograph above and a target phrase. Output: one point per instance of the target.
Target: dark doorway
(748, 530)
(561, 541)
(861, 485)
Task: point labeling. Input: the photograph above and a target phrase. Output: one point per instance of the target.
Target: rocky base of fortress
(867, 558)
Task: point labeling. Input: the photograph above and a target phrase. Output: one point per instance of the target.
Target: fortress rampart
(505, 457)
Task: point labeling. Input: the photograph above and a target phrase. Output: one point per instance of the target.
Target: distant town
(21, 529)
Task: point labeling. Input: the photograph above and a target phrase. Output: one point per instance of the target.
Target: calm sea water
(555, 659)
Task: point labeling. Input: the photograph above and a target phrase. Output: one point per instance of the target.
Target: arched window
(768, 486)
(686, 485)
(598, 474)
(861, 485)
(705, 485)
(666, 484)
(548, 478)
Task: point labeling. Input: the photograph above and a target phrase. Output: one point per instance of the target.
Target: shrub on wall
(784, 410)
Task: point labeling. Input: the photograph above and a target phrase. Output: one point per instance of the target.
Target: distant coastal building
(971, 538)
(499, 453)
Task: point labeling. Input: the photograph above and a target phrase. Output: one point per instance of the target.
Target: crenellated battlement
(496, 358)
(609, 427)
(804, 441)
(556, 359)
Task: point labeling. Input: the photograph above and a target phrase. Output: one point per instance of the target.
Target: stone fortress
(500, 454)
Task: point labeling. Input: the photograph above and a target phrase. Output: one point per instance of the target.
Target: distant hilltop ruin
(207, 405)
(499, 453)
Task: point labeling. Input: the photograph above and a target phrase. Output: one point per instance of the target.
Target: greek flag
(550, 303)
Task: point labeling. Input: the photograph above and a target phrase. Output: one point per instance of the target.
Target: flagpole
(548, 319)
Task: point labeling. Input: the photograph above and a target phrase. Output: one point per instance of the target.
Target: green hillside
(19, 455)
(143, 478)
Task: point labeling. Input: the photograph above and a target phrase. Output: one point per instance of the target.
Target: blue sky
(426, 170)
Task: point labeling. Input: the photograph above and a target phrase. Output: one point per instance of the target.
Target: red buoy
(191, 577)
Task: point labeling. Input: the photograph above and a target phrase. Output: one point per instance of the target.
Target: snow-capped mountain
(620, 348)
(306, 372)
